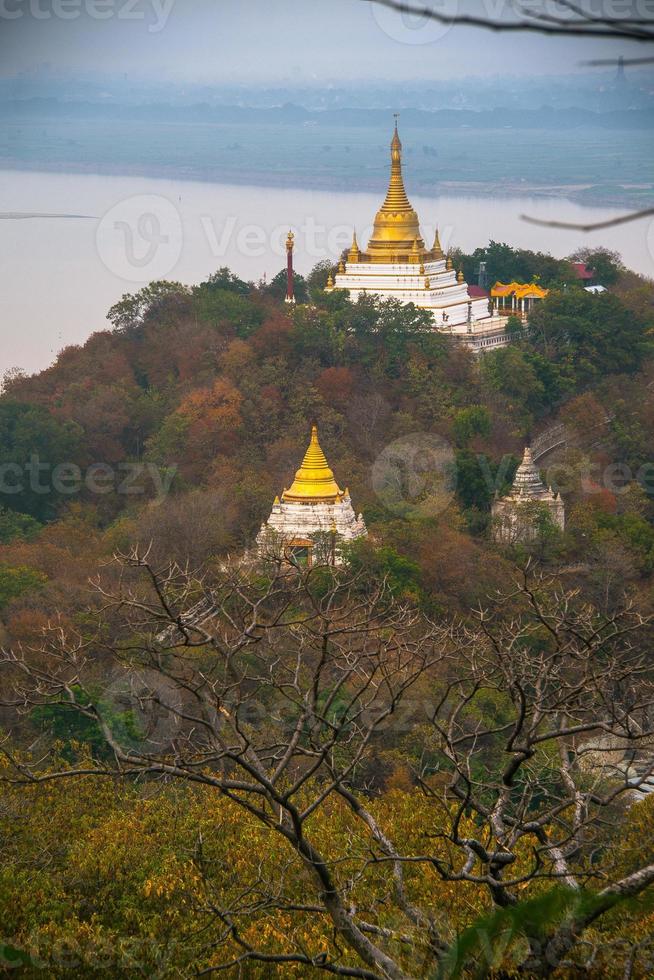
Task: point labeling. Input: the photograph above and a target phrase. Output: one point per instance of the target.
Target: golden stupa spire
(353, 254)
(436, 247)
(314, 482)
(396, 223)
(396, 199)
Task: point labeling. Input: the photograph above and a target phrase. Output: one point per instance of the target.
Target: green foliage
(32, 445)
(528, 379)
(278, 285)
(228, 308)
(317, 279)
(382, 334)
(168, 445)
(472, 421)
(15, 526)
(17, 581)
(131, 311)
(12, 958)
(475, 480)
(483, 946)
(224, 280)
(588, 337)
(515, 328)
(77, 732)
(606, 265)
(401, 573)
(507, 264)
(635, 531)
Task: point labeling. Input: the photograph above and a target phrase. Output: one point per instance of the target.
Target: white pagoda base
(311, 532)
(430, 286)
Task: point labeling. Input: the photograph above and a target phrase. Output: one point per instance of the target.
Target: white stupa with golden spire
(397, 265)
(313, 518)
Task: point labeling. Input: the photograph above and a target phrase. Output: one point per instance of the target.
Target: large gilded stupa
(396, 264)
(313, 518)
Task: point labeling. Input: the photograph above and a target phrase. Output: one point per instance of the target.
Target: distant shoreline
(583, 195)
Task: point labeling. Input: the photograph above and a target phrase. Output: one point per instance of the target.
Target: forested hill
(182, 421)
(439, 740)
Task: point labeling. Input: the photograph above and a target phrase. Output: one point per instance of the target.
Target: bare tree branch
(581, 24)
(623, 219)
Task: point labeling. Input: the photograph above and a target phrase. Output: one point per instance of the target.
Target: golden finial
(436, 247)
(341, 267)
(314, 481)
(395, 142)
(416, 253)
(421, 270)
(449, 263)
(276, 502)
(460, 278)
(396, 199)
(290, 239)
(427, 283)
(353, 254)
(330, 281)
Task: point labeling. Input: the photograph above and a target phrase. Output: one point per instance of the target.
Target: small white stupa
(313, 518)
(516, 516)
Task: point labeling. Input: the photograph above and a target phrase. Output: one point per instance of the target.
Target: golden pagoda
(314, 481)
(396, 231)
(396, 265)
(313, 517)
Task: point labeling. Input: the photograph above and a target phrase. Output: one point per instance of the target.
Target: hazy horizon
(286, 40)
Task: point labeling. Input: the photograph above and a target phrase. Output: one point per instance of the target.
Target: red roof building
(583, 272)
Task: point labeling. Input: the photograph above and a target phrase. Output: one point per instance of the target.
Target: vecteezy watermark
(315, 239)
(143, 710)
(417, 27)
(140, 238)
(153, 13)
(415, 476)
(68, 479)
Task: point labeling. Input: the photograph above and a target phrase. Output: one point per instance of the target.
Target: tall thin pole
(290, 291)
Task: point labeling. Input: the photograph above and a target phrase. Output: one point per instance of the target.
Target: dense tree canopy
(507, 264)
(171, 434)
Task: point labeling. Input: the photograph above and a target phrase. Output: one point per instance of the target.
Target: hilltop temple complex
(397, 265)
(313, 518)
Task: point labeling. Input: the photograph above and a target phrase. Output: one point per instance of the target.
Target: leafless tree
(560, 18)
(277, 689)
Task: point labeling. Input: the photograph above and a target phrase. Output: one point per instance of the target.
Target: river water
(90, 239)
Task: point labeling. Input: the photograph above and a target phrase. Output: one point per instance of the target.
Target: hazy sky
(276, 40)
